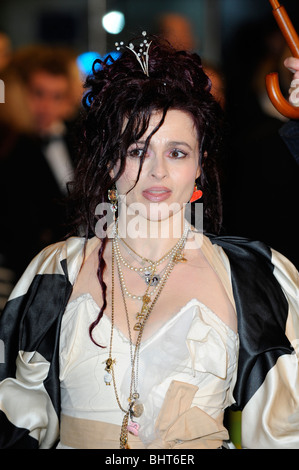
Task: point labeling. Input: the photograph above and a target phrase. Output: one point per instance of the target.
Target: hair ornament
(141, 55)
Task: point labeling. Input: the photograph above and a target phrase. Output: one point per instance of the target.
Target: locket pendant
(154, 280)
(136, 409)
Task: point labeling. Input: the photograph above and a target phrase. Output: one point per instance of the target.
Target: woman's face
(170, 167)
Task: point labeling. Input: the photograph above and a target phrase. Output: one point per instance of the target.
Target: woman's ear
(205, 154)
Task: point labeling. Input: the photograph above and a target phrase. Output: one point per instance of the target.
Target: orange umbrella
(272, 80)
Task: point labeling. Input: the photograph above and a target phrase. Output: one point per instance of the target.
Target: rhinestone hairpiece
(141, 55)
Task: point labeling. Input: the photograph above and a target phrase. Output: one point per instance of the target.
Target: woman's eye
(135, 153)
(177, 153)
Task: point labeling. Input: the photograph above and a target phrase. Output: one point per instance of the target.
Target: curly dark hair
(119, 90)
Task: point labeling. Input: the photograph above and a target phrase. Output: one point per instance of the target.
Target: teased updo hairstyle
(119, 89)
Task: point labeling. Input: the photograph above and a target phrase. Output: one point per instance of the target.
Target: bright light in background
(113, 22)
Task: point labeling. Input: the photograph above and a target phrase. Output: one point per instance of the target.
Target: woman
(141, 332)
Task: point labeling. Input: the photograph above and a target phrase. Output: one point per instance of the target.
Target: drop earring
(113, 196)
(197, 194)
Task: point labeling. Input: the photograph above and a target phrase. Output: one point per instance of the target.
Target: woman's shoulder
(63, 258)
(66, 249)
(59, 251)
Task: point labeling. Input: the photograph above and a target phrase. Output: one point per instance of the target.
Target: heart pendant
(133, 428)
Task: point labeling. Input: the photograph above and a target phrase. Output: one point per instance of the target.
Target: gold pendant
(140, 316)
(137, 326)
(146, 299)
(179, 258)
(109, 363)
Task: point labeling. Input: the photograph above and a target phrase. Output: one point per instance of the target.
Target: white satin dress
(193, 347)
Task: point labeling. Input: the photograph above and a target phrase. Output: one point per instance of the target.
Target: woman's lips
(156, 194)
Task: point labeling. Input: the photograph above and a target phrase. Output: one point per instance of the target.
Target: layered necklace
(134, 408)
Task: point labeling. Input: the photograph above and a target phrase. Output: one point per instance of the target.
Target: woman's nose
(158, 167)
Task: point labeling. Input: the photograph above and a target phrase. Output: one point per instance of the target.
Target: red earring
(197, 194)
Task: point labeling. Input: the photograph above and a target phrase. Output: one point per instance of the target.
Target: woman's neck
(151, 239)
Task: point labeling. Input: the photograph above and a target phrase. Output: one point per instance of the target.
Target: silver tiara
(141, 55)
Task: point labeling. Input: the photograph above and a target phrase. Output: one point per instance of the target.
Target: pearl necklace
(122, 279)
(146, 273)
(151, 263)
(150, 271)
(146, 298)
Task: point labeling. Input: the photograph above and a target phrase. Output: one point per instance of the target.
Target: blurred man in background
(37, 150)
